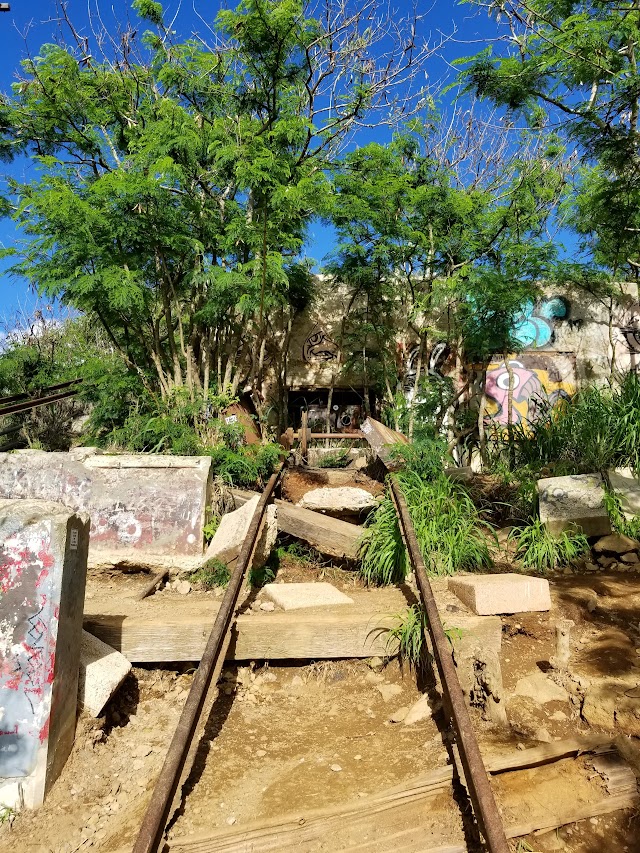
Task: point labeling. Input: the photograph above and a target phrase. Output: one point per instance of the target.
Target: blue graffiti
(534, 326)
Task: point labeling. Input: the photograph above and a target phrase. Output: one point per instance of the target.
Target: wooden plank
(379, 818)
(381, 438)
(330, 536)
(305, 635)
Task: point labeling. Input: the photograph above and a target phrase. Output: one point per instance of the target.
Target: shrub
(599, 428)
(337, 459)
(214, 573)
(619, 522)
(447, 526)
(541, 550)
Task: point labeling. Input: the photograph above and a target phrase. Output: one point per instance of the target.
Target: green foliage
(599, 428)
(425, 457)
(619, 522)
(407, 635)
(213, 574)
(539, 549)
(210, 528)
(447, 525)
(263, 575)
(337, 459)
(247, 466)
(573, 64)
(383, 557)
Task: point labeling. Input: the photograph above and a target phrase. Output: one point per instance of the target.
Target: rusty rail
(153, 825)
(476, 777)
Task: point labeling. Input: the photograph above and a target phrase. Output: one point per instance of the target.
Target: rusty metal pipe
(150, 834)
(476, 777)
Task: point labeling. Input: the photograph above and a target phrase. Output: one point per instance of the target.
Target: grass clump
(599, 428)
(213, 574)
(447, 525)
(336, 459)
(541, 550)
(407, 636)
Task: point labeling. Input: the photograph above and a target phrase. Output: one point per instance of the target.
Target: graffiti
(28, 629)
(535, 325)
(436, 365)
(538, 382)
(631, 338)
(319, 347)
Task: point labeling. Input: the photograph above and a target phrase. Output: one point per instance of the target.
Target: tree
(429, 253)
(177, 180)
(575, 65)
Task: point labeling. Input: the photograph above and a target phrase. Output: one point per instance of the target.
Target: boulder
(542, 689)
(576, 501)
(231, 533)
(616, 543)
(341, 499)
(489, 595)
(627, 488)
(102, 671)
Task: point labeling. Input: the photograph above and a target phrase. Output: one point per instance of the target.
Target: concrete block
(468, 634)
(574, 501)
(294, 596)
(627, 488)
(141, 503)
(338, 499)
(232, 531)
(102, 671)
(43, 566)
(509, 593)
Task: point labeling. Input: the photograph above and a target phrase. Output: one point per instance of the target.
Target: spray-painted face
(527, 391)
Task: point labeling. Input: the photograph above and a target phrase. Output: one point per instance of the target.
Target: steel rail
(476, 777)
(14, 398)
(153, 825)
(37, 402)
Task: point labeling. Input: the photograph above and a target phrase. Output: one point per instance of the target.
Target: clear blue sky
(30, 24)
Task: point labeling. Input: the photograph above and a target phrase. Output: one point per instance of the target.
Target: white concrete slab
(295, 596)
(102, 671)
(489, 595)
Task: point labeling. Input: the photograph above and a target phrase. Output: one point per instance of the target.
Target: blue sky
(30, 24)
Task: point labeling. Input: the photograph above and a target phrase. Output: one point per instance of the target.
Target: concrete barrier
(43, 567)
(142, 504)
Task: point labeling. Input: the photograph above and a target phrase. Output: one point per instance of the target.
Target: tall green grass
(447, 525)
(543, 551)
(597, 429)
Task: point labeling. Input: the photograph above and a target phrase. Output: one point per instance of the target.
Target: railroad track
(179, 758)
(17, 403)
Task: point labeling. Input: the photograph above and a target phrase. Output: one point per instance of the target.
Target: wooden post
(304, 434)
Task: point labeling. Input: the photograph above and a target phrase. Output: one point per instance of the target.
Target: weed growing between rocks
(337, 459)
(213, 574)
(543, 551)
(407, 636)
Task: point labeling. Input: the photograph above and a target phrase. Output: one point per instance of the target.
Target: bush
(447, 526)
(539, 549)
(599, 428)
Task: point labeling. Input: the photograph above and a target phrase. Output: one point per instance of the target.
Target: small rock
(375, 663)
(296, 681)
(268, 606)
(336, 768)
(590, 567)
(606, 561)
(540, 688)
(357, 758)
(543, 735)
(420, 710)
(261, 753)
(388, 691)
(520, 746)
(558, 715)
(231, 820)
(183, 587)
(399, 715)
(616, 543)
(630, 558)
